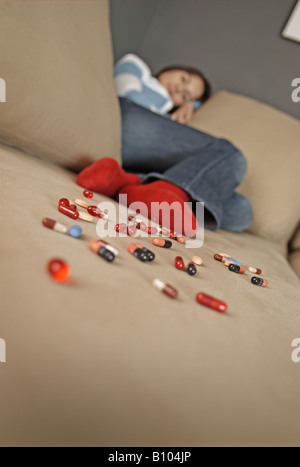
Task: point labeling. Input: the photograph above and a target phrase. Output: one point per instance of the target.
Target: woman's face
(182, 86)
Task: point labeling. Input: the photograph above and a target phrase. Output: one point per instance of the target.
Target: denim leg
(207, 168)
(237, 214)
(152, 142)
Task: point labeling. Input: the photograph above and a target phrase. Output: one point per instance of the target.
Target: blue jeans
(207, 168)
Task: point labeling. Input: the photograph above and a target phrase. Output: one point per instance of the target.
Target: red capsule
(68, 212)
(88, 194)
(59, 270)
(218, 257)
(179, 263)
(120, 227)
(211, 302)
(73, 207)
(152, 230)
(143, 226)
(131, 231)
(64, 202)
(94, 211)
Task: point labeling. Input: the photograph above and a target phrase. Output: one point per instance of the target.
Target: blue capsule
(233, 261)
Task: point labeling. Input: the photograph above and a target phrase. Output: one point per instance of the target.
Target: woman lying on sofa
(180, 163)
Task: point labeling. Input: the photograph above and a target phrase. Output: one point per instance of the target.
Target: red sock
(181, 220)
(105, 176)
(167, 186)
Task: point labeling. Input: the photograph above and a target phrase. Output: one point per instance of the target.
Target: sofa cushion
(56, 60)
(269, 140)
(108, 360)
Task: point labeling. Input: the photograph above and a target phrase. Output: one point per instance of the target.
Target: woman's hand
(184, 113)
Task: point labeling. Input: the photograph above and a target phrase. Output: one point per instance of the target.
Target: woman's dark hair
(192, 71)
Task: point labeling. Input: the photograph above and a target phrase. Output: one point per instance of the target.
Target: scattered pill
(82, 203)
(84, 216)
(235, 268)
(68, 212)
(143, 226)
(228, 263)
(197, 260)
(259, 281)
(75, 231)
(108, 247)
(191, 269)
(254, 270)
(73, 207)
(162, 243)
(59, 270)
(218, 257)
(165, 288)
(179, 263)
(211, 302)
(132, 231)
(180, 239)
(137, 252)
(149, 253)
(152, 230)
(94, 211)
(51, 224)
(64, 201)
(120, 227)
(88, 194)
(101, 250)
(172, 235)
(234, 261)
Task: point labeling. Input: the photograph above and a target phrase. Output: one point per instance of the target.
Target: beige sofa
(107, 360)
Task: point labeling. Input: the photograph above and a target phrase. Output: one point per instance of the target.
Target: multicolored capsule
(162, 243)
(165, 288)
(259, 281)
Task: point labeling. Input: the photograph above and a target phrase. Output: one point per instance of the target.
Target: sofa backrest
(57, 63)
(269, 139)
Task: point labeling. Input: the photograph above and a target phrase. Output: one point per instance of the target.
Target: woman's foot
(105, 176)
(165, 207)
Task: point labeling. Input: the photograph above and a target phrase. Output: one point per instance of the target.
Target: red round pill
(59, 270)
(64, 202)
(88, 194)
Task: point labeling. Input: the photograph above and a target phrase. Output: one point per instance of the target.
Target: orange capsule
(162, 243)
(180, 239)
